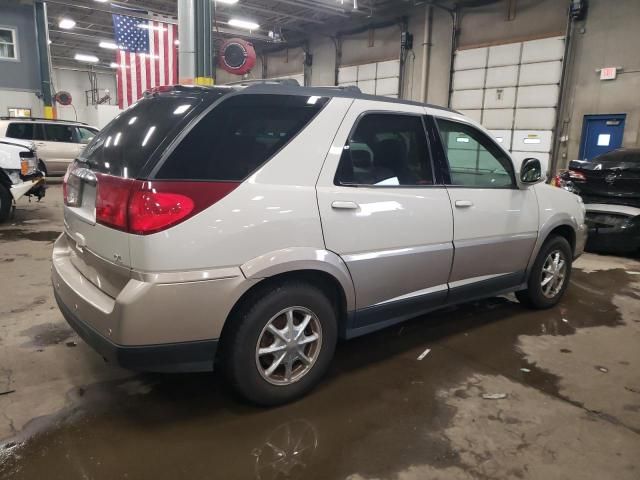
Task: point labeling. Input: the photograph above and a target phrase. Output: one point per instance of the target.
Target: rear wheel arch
(320, 279)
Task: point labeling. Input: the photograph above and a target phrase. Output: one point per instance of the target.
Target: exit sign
(608, 73)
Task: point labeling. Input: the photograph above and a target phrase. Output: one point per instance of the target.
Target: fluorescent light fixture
(236, 22)
(176, 42)
(81, 57)
(227, 2)
(146, 26)
(108, 45)
(101, 1)
(66, 23)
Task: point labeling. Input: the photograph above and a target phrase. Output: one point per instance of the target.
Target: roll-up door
(513, 90)
(378, 78)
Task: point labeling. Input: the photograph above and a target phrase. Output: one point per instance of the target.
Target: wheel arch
(563, 225)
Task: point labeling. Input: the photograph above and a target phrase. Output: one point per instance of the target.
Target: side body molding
(302, 258)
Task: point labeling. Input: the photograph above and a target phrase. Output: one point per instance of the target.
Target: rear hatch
(611, 178)
(111, 170)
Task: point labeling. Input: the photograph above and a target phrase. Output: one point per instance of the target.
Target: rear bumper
(150, 324)
(170, 357)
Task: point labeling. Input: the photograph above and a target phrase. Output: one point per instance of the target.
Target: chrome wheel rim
(288, 346)
(554, 272)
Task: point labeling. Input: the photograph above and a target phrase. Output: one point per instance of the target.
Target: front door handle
(342, 205)
(464, 203)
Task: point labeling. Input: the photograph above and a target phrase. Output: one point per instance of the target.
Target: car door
(59, 147)
(495, 222)
(383, 212)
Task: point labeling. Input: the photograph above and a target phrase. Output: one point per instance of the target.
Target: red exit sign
(608, 73)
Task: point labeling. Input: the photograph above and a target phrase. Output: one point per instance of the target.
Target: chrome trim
(481, 278)
(417, 293)
(374, 254)
(188, 276)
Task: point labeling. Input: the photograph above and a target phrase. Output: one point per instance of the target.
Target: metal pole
(44, 59)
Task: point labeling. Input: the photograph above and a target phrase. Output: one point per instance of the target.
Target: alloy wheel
(554, 272)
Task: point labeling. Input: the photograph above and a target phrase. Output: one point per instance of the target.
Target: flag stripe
(148, 57)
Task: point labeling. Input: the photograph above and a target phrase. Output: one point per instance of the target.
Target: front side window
(8, 44)
(386, 149)
(238, 136)
(85, 135)
(474, 159)
(58, 133)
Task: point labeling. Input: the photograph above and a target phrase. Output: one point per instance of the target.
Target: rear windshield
(238, 136)
(125, 145)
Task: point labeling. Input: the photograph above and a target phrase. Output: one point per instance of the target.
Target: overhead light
(176, 42)
(236, 22)
(108, 45)
(81, 57)
(48, 42)
(66, 23)
(101, 1)
(114, 65)
(227, 2)
(146, 26)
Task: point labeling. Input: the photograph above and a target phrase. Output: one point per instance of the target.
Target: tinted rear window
(125, 145)
(54, 132)
(238, 136)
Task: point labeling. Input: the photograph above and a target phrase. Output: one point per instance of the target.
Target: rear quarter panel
(275, 208)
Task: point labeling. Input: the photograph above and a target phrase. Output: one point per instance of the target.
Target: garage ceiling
(292, 20)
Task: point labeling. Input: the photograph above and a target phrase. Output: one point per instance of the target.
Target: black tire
(42, 167)
(239, 342)
(6, 200)
(533, 296)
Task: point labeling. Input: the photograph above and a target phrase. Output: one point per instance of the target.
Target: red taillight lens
(143, 208)
(574, 175)
(112, 198)
(151, 211)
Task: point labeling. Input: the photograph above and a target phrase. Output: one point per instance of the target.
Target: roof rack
(41, 118)
(278, 81)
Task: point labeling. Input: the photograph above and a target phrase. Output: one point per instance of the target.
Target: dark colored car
(610, 188)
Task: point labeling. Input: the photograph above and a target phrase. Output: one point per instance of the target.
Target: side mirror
(531, 171)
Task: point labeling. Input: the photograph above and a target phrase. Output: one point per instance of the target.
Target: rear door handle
(342, 205)
(464, 203)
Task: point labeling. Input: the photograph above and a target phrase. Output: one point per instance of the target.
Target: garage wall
(76, 83)
(513, 90)
(608, 37)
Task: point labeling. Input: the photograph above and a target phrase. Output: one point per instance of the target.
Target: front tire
(280, 344)
(550, 275)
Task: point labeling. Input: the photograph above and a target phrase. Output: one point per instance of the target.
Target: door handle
(342, 205)
(464, 203)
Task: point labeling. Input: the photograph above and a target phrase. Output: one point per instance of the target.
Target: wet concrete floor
(568, 379)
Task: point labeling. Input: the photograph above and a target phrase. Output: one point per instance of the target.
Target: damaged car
(19, 174)
(610, 188)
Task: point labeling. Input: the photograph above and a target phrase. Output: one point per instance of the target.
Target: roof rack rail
(279, 81)
(344, 88)
(41, 118)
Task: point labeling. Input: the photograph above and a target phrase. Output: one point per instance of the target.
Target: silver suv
(252, 227)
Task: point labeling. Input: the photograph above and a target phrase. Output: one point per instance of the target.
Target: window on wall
(474, 159)
(19, 112)
(386, 150)
(8, 44)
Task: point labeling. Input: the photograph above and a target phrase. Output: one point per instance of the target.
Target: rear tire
(549, 276)
(273, 322)
(6, 201)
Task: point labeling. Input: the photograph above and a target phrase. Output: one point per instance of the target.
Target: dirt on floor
(504, 392)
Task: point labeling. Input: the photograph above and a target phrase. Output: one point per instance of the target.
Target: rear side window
(58, 133)
(238, 136)
(124, 146)
(23, 131)
(386, 149)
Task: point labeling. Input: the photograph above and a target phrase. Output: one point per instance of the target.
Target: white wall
(76, 83)
(20, 99)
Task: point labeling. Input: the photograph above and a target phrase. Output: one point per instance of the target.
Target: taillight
(574, 175)
(145, 207)
(112, 198)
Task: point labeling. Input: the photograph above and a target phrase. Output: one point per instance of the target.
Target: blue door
(601, 134)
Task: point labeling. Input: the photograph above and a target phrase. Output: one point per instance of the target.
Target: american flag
(147, 56)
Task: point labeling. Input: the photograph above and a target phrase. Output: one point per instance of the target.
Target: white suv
(58, 142)
(251, 227)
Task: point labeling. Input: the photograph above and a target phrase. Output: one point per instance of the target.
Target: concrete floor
(570, 376)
